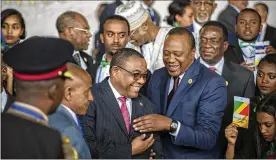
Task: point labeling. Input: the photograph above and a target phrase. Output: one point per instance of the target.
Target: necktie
(213, 69)
(125, 113)
(76, 56)
(175, 85)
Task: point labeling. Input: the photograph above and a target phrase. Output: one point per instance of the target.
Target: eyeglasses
(136, 76)
(86, 31)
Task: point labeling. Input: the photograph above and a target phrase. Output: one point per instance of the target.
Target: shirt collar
(71, 112)
(218, 66)
(236, 8)
(75, 52)
(180, 77)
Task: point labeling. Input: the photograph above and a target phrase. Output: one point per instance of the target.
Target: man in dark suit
(77, 96)
(73, 27)
(190, 100)
(243, 50)
(155, 17)
(213, 44)
(229, 15)
(108, 122)
(268, 32)
(39, 66)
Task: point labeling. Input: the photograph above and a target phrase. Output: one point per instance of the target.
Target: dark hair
(119, 18)
(176, 8)
(269, 58)
(183, 31)
(263, 5)
(266, 105)
(66, 19)
(9, 12)
(122, 55)
(219, 25)
(249, 10)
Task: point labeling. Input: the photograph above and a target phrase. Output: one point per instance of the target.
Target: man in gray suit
(229, 15)
(108, 127)
(239, 81)
(155, 17)
(77, 96)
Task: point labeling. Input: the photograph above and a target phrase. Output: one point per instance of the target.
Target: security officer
(39, 65)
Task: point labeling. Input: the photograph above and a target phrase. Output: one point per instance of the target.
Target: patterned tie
(125, 113)
(175, 85)
(76, 56)
(213, 69)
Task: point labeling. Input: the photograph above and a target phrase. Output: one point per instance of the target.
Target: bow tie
(246, 44)
(104, 63)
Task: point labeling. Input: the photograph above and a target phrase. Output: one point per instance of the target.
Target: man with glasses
(73, 27)
(108, 124)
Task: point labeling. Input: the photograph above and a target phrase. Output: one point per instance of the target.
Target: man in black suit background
(239, 81)
(155, 17)
(268, 32)
(73, 27)
(108, 127)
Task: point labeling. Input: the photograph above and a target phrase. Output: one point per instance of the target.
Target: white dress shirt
(218, 66)
(73, 114)
(170, 89)
(263, 32)
(117, 95)
(83, 65)
(4, 99)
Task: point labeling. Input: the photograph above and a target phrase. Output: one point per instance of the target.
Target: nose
(116, 38)
(89, 34)
(264, 79)
(262, 129)
(142, 80)
(90, 97)
(201, 7)
(10, 30)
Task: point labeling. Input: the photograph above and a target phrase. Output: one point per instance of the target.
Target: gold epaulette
(68, 150)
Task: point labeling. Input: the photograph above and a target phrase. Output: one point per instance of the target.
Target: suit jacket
(104, 126)
(91, 67)
(228, 18)
(63, 121)
(198, 104)
(270, 35)
(10, 100)
(245, 87)
(24, 139)
(234, 54)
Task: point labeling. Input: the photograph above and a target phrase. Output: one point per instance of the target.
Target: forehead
(135, 63)
(248, 15)
(211, 29)
(177, 42)
(12, 18)
(267, 67)
(264, 117)
(113, 23)
(203, 1)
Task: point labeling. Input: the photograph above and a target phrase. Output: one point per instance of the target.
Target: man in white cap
(144, 34)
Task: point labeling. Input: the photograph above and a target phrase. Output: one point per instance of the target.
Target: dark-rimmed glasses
(136, 76)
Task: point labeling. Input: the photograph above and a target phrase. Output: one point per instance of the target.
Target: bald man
(77, 96)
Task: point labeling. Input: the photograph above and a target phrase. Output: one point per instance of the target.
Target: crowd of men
(148, 91)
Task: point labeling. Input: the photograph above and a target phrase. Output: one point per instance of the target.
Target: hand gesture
(231, 133)
(270, 49)
(140, 144)
(249, 66)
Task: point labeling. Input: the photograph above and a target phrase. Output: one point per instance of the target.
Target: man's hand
(152, 122)
(270, 49)
(249, 66)
(140, 144)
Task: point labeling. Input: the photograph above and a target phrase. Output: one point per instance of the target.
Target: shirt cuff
(177, 130)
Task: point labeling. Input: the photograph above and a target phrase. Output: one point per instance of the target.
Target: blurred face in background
(186, 19)
(12, 29)
(241, 4)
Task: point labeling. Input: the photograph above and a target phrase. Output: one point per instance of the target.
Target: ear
(68, 32)
(102, 38)
(145, 27)
(177, 17)
(225, 45)
(53, 93)
(68, 93)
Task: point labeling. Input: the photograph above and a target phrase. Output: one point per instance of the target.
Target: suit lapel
(186, 83)
(137, 111)
(164, 92)
(238, 53)
(108, 98)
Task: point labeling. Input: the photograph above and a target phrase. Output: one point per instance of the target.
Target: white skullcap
(134, 12)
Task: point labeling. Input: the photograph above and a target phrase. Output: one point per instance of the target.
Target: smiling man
(108, 122)
(190, 100)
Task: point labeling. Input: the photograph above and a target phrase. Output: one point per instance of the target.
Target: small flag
(241, 111)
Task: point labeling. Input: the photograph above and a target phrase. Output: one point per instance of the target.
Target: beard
(202, 19)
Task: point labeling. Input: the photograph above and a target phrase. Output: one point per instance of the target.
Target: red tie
(213, 69)
(125, 113)
(175, 85)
